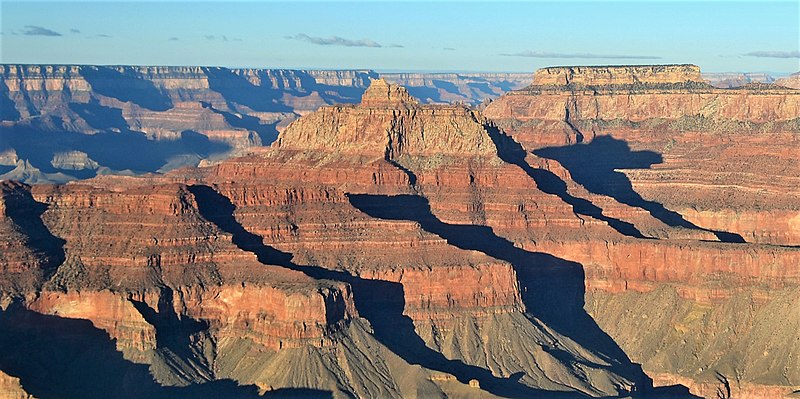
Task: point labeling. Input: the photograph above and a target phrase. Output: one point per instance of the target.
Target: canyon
(603, 232)
(68, 122)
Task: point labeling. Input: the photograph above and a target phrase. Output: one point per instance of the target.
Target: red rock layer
(703, 272)
(728, 158)
(726, 161)
(150, 233)
(321, 227)
(272, 316)
(135, 241)
(106, 310)
(430, 293)
(28, 253)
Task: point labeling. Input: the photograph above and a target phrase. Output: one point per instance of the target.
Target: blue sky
(446, 36)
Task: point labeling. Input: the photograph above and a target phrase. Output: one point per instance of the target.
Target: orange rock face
(144, 238)
(28, 251)
(619, 75)
(390, 234)
(703, 164)
(389, 122)
(10, 388)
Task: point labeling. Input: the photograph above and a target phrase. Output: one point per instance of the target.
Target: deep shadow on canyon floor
(594, 166)
(61, 358)
(552, 288)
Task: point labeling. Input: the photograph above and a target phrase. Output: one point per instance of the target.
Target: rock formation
(11, 389)
(389, 122)
(729, 80)
(705, 163)
(133, 120)
(148, 119)
(241, 269)
(398, 249)
(616, 75)
(791, 81)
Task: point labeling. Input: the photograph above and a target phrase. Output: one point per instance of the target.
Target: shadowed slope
(267, 132)
(127, 86)
(558, 302)
(64, 358)
(381, 302)
(176, 333)
(26, 213)
(29, 252)
(552, 288)
(594, 165)
(39, 146)
(512, 152)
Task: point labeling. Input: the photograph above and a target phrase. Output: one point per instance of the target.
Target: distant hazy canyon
(62, 122)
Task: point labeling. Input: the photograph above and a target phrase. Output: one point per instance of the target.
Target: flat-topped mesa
(617, 75)
(390, 123)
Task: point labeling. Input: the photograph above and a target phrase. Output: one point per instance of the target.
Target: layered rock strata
(276, 258)
(702, 164)
(175, 116)
(398, 249)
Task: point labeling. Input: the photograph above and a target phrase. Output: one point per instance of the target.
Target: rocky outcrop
(578, 76)
(29, 253)
(394, 249)
(276, 256)
(10, 388)
(137, 119)
(708, 154)
(390, 123)
(685, 163)
(791, 81)
(73, 160)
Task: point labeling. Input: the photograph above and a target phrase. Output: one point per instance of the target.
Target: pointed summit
(382, 94)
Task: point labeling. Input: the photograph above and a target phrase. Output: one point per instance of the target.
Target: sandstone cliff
(389, 122)
(675, 145)
(175, 116)
(616, 75)
(707, 164)
(791, 81)
(243, 268)
(397, 249)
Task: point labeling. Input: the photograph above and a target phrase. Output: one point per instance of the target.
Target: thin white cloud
(224, 38)
(774, 54)
(33, 30)
(337, 41)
